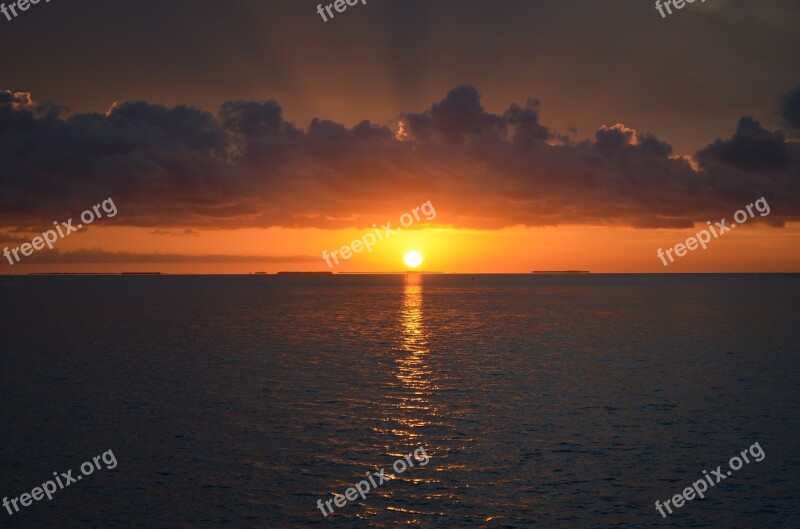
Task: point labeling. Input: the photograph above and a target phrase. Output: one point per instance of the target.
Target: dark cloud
(177, 168)
(454, 119)
(752, 148)
(525, 122)
(790, 109)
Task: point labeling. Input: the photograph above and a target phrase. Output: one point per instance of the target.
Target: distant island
(560, 272)
(306, 273)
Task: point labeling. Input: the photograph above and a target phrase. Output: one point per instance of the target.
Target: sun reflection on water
(413, 370)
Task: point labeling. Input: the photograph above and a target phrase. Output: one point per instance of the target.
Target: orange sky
(512, 250)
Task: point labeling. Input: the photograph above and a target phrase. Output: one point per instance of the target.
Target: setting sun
(413, 259)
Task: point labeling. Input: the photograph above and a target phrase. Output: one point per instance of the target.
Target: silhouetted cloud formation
(752, 148)
(183, 167)
(790, 109)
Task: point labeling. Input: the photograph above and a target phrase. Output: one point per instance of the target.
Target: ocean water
(557, 401)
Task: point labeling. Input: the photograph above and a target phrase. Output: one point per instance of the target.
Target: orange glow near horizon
(512, 250)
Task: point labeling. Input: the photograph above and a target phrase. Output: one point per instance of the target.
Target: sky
(252, 135)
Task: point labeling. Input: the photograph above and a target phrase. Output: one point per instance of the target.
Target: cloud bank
(185, 168)
(98, 255)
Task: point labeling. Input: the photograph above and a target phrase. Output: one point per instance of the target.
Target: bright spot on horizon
(413, 259)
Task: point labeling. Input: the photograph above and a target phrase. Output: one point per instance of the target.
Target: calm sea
(561, 402)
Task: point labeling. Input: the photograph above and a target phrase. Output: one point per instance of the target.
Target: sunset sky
(242, 135)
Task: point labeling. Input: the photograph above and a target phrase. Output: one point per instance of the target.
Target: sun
(413, 259)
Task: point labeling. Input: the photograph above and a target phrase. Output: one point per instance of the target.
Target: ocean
(553, 401)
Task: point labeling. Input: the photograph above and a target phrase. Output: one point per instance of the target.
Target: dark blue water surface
(542, 400)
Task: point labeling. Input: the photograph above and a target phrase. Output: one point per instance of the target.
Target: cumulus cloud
(752, 148)
(790, 109)
(183, 168)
